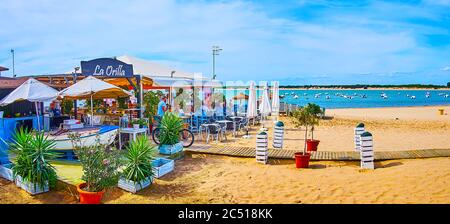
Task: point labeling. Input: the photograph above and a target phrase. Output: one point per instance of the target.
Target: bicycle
(186, 136)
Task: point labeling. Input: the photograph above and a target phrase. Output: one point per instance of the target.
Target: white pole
(37, 116)
(92, 112)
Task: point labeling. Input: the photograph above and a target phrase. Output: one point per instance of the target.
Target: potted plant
(314, 112)
(138, 171)
(100, 165)
(31, 169)
(301, 117)
(169, 137)
(162, 166)
(139, 123)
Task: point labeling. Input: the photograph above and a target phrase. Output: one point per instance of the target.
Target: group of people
(208, 107)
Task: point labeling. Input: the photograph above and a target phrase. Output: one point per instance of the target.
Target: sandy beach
(218, 179)
(393, 129)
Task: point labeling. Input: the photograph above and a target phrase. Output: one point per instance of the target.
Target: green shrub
(138, 160)
(170, 127)
(100, 164)
(32, 155)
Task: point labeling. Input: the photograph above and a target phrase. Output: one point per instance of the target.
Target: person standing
(162, 106)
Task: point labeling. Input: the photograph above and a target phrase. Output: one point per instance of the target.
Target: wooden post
(359, 129)
(367, 155)
(262, 152)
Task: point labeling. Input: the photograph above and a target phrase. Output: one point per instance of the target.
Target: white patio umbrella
(264, 106)
(33, 91)
(275, 98)
(93, 88)
(252, 111)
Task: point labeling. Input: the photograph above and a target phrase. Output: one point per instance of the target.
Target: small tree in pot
(314, 112)
(302, 117)
(100, 169)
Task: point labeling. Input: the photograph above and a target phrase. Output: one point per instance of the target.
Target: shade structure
(240, 96)
(264, 106)
(251, 109)
(275, 98)
(33, 91)
(93, 88)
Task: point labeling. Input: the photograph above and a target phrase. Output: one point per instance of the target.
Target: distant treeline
(361, 86)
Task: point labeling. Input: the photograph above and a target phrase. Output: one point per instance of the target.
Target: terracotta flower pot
(87, 197)
(302, 160)
(311, 145)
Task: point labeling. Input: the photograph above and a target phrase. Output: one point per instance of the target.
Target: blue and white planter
(162, 166)
(132, 186)
(171, 149)
(30, 187)
(6, 172)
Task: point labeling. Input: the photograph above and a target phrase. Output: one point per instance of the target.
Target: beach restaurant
(125, 71)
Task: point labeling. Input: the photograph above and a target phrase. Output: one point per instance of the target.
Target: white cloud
(446, 68)
(50, 37)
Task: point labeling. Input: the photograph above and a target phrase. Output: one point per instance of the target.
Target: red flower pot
(302, 160)
(311, 145)
(87, 197)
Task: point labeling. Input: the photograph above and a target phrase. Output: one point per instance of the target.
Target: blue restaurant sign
(106, 67)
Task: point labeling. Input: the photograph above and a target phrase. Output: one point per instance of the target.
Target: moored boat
(88, 136)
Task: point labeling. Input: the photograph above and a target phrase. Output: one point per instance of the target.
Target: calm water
(355, 99)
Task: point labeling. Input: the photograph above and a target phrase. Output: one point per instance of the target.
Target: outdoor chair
(243, 123)
(213, 130)
(223, 130)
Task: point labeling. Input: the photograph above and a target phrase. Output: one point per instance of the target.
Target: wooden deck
(319, 155)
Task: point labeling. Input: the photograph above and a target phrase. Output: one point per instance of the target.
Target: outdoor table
(132, 132)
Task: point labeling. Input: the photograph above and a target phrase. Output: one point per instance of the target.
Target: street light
(215, 51)
(14, 70)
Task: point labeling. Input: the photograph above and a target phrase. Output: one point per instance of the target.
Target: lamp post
(14, 70)
(215, 51)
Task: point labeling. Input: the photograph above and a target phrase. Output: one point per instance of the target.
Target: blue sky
(296, 42)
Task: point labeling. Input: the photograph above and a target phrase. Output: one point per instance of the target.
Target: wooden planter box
(170, 149)
(29, 187)
(132, 186)
(162, 166)
(6, 172)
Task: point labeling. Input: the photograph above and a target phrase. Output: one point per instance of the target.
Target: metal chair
(213, 130)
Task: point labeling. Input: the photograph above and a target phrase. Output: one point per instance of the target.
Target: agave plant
(32, 155)
(170, 127)
(138, 160)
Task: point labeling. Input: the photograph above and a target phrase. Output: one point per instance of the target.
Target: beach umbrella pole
(37, 116)
(92, 112)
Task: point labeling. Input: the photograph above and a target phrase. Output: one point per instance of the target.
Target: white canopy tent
(93, 88)
(275, 98)
(155, 70)
(33, 91)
